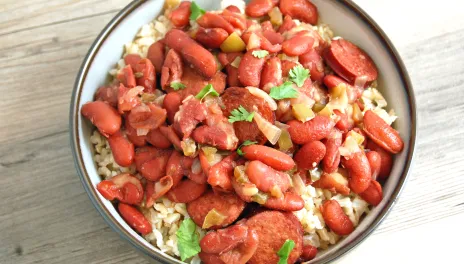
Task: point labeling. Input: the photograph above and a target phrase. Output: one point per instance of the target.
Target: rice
(166, 216)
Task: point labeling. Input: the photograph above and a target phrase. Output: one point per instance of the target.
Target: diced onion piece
(339, 178)
(357, 114)
(211, 155)
(239, 174)
(302, 112)
(142, 131)
(233, 43)
(168, 4)
(159, 101)
(196, 166)
(148, 97)
(260, 198)
(249, 189)
(360, 82)
(339, 99)
(275, 16)
(265, 96)
(254, 42)
(298, 184)
(276, 191)
(271, 132)
(189, 147)
(351, 145)
(282, 56)
(236, 62)
(389, 118)
(372, 98)
(285, 141)
(213, 218)
(317, 107)
(315, 174)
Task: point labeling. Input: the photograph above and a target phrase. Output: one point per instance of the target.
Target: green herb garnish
(260, 53)
(283, 91)
(177, 86)
(195, 11)
(246, 143)
(207, 90)
(188, 240)
(298, 75)
(285, 250)
(241, 114)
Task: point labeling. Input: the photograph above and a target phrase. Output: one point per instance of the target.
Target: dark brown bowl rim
(109, 218)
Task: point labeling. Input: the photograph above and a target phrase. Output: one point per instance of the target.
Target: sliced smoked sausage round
(274, 228)
(350, 62)
(227, 204)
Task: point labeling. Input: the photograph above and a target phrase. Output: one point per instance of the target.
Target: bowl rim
(110, 219)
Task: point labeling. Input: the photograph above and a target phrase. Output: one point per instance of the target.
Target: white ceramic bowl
(345, 19)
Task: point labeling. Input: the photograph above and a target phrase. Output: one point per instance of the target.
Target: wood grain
(45, 215)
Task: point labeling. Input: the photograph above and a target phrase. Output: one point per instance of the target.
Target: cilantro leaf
(284, 251)
(283, 91)
(188, 240)
(260, 53)
(298, 75)
(207, 90)
(195, 11)
(177, 86)
(241, 114)
(246, 143)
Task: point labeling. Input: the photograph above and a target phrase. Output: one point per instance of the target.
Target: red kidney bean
(108, 94)
(180, 16)
(212, 20)
(287, 24)
(131, 133)
(336, 219)
(149, 118)
(103, 116)
(237, 20)
(227, 58)
(309, 253)
(176, 167)
(382, 133)
(386, 160)
(157, 139)
(359, 171)
(169, 132)
(315, 129)
(249, 70)
(258, 8)
(128, 98)
(332, 157)
(375, 162)
(313, 61)
(333, 182)
(148, 77)
(244, 251)
(232, 76)
(154, 169)
(233, 8)
(223, 240)
(272, 74)
(201, 59)
(309, 156)
(172, 69)
(298, 45)
(132, 60)
(126, 77)
(373, 194)
(269, 156)
(135, 219)
(211, 37)
(123, 149)
(124, 187)
(155, 190)
(156, 54)
(186, 191)
(266, 178)
(344, 124)
(219, 175)
(302, 10)
(171, 103)
(289, 202)
(190, 114)
(215, 136)
(350, 62)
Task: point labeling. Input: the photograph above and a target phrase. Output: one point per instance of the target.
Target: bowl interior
(343, 20)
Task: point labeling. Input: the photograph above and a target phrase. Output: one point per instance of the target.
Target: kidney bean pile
(223, 114)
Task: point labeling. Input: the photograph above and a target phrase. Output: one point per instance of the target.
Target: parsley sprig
(246, 143)
(207, 90)
(241, 114)
(283, 91)
(196, 11)
(285, 250)
(298, 75)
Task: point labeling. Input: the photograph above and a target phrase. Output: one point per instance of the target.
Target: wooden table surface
(45, 215)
